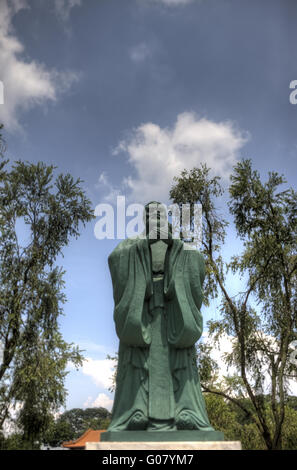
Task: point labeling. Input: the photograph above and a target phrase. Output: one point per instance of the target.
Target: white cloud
(140, 52)
(158, 154)
(9, 425)
(26, 82)
(102, 400)
(100, 370)
(64, 7)
(224, 345)
(105, 184)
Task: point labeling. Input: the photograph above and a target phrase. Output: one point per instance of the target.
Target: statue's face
(156, 215)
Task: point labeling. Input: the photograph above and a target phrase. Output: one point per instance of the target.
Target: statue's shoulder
(198, 256)
(124, 246)
(195, 258)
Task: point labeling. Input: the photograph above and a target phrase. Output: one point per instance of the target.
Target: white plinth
(202, 445)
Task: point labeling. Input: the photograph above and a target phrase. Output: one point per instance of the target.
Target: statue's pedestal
(163, 440)
(202, 445)
(161, 436)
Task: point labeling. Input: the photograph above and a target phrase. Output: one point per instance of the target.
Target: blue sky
(124, 94)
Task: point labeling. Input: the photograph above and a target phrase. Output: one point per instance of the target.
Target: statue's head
(155, 217)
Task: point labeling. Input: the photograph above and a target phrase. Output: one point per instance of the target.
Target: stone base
(202, 445)
(161, 436)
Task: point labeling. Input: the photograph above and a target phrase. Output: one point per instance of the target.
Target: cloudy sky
(125, 94)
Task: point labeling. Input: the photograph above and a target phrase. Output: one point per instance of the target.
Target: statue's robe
(158, 324)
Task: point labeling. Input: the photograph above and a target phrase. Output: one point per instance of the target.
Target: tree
(227, 418)
(265, 219)
(75, 417)
(96, 418)
(113, 378)
(31, 290)
(73, 423)
(58, 431)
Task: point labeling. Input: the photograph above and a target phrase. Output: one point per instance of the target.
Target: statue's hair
(152, 202)
(146, 207)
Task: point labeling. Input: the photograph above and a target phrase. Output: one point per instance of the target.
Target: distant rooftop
(88, 436)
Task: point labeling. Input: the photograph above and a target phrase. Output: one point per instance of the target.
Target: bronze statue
(157, 288)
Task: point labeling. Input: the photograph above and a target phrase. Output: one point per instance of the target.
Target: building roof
(88, 436)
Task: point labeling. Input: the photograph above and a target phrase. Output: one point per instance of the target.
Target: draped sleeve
(183, 289)
(129, 266)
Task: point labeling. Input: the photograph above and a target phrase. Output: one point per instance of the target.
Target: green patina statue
(157, 288)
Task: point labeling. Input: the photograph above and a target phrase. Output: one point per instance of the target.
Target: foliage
(229, 419)
(265, 219)
(51, 211)
(225, 418)
(73, 423)
(58, 431)
(115, 359)
(15, 442)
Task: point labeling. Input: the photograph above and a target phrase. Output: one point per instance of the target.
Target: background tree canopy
(261, 320)
(73, 423)
(52, 209)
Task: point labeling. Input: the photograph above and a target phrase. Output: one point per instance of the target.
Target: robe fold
(158, 324)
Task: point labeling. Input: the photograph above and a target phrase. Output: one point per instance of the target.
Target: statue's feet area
(138, 422)
(185, 421)
(161, 425)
